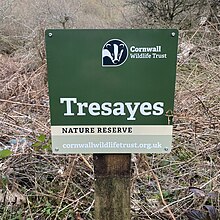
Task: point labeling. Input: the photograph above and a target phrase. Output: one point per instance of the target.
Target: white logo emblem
(114, 53)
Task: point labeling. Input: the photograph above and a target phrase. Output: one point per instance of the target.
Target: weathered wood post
(112, 186)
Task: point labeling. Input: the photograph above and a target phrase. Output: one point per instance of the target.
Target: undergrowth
(35, 184)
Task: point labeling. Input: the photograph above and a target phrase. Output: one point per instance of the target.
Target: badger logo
(114, 53)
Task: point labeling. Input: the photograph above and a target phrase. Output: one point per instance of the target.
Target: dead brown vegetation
(35, 184)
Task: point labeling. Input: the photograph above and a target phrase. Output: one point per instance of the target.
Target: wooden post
(112, 186)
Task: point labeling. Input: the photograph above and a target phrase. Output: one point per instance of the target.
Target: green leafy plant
(47, 209)
(5, 153)
(42, 143)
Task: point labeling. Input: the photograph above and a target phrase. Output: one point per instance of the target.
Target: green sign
(111, 91)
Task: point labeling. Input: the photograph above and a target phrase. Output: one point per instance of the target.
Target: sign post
(111, 94)
(112, 186)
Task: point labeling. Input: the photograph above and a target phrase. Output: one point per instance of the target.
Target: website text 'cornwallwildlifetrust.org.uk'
(112, 145)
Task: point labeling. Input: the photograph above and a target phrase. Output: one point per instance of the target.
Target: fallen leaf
(197, 191)
(213, 214)
(213, 195)
(196, 215)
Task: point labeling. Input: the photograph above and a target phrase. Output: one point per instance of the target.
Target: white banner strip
(112, 130)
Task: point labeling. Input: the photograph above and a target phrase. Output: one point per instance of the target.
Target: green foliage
(168, 196)
(42, 143)
(5, 153)
(183, 154)
(3, 182)
(48, 208)
(18, 215)
(41, 138)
